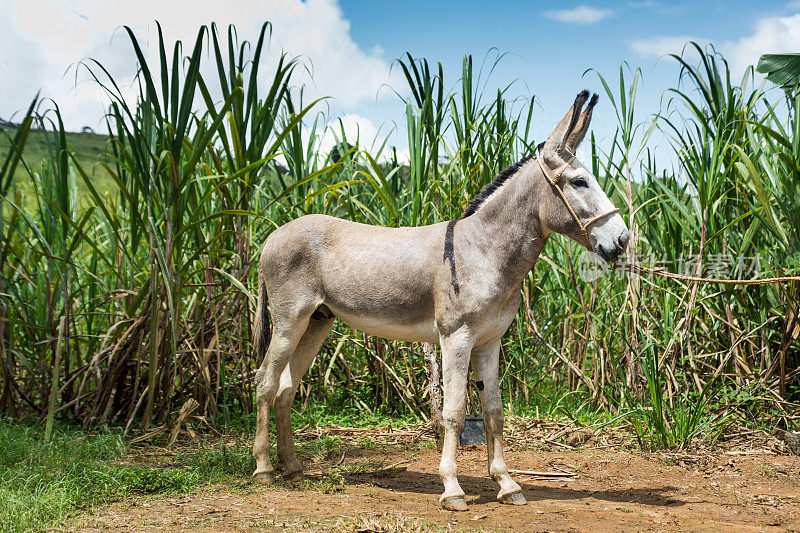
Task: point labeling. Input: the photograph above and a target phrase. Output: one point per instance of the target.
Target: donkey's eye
(580, 182)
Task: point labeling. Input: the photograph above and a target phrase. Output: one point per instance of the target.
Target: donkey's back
(375, 279)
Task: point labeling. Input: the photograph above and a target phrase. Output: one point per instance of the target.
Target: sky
(350, 46)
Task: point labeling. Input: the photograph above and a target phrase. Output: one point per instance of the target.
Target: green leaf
(781, 69)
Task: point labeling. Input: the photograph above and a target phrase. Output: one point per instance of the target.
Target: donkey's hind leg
(307, 348)
(286, 334)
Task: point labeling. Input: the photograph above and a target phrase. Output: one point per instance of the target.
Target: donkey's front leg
(485, 367)
(456, 349)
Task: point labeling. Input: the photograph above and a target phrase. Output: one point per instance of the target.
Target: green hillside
(89, 149)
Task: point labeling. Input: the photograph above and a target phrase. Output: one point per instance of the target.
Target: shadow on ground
(486, 490)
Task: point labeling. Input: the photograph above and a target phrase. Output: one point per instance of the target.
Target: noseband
(553, 180)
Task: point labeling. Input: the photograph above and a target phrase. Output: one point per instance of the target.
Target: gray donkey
(456, 283)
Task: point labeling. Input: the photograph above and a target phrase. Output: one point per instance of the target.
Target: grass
(320, 414)
(90, 148)
(47, 484)
(44, 484)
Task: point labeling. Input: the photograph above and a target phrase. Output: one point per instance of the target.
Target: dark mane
(496, 183)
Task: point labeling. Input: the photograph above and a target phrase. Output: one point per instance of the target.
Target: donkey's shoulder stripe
(449, 254)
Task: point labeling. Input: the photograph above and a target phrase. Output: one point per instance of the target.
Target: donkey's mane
(496, 183)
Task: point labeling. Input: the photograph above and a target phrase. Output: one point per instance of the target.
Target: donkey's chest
(495, 317)
(485, 309)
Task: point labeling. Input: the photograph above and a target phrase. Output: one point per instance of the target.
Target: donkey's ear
(580, 129)
(557, 140)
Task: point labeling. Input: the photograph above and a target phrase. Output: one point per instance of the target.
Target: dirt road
(397, 490)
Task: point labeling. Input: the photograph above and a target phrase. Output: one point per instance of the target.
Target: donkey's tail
(261, 329)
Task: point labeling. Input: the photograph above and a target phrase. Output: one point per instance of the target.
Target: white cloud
(403, 155)
(661, 46)
(20, 64)
(56, 34)
(580, 15)
(771, 35)
(358, 130)
(362, 132)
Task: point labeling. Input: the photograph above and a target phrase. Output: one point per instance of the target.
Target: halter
(553, 180)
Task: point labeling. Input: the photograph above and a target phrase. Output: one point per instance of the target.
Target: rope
(637, 269)
(628, 267)
(553, 180)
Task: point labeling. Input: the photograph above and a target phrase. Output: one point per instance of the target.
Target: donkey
(456, 283)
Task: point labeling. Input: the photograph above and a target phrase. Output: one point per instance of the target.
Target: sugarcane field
(298, 266)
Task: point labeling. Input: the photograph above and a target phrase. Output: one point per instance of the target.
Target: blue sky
(351, 45)
(547, 55)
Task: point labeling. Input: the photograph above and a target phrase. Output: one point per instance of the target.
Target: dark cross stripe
(266, 330)
(448, 254)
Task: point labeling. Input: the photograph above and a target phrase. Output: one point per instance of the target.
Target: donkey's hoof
(265, 478)
(514, 499)
(295, 477)
(454, 503)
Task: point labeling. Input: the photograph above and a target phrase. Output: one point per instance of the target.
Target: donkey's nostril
(624, 238)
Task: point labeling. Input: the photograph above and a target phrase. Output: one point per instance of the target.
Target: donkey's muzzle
(623, 239)
(611, 253)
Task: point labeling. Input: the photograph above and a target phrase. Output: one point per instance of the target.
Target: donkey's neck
(509, 219)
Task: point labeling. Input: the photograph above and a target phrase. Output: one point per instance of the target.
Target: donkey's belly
(423, 331)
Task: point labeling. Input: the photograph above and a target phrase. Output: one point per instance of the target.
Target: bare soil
(396, 489)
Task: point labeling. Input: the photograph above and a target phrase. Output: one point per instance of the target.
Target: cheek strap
(553, 180)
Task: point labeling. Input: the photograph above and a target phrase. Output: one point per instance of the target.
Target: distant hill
(90, 148)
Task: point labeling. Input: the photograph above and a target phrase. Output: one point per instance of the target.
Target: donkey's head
(574, 204)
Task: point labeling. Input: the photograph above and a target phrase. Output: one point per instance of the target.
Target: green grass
(45, 484)
(89, 149)
(320, 414)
